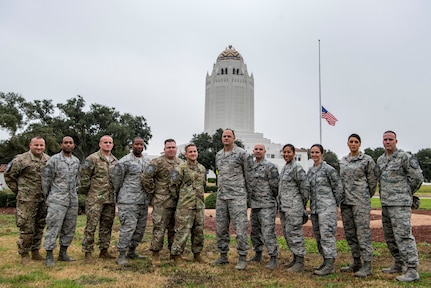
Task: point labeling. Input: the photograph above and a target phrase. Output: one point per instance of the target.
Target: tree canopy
(208, 146)
(25, 119)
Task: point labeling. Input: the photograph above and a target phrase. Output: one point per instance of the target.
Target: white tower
(229, 95)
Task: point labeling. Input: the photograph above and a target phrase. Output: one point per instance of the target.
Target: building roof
(229, 54)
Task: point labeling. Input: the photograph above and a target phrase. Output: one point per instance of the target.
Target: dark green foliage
(7, 198)
(210, 201)
(81, 203)
(209, 189)
(211, 180)
(424, 158)
(374, 153)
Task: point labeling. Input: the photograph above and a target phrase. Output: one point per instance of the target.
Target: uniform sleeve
(371, 176)
(47, 177)
(273, 179)
(414, 174)
(118, 177)
(85, 173)
(304, 186)
(336, 185)
(13, 171)
(148, 177)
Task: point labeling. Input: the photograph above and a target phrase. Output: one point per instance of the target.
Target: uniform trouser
(60, 221)
(133, 220)
(188, 222)
(163, 219)
(292, 230)
(397, 229)
(263, 229)
(235, 210)
(325, 228)
(102, 215)
(30, 220)
(356, 222)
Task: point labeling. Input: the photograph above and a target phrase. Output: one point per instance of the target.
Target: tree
(53, 122)
(332, 159)
(424, 158)
(208, 146)
(374, 153)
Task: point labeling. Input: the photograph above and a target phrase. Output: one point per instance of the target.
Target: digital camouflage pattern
(293, 195)
(95, 175)
(157, 182)
(326, 192)
(234, 179)
(23, 177)
(263, 200)
(132, 200)
(400, 178)
(359, 177)
(189, 180)
(60, 181)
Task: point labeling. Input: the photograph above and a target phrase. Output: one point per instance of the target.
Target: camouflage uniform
(326, 191)
(400, 178)
(60, 181)
(132, 200)
(157, 181)
(190, 180)
(23, 177)
(95, 175)
(358, 175)
(292, 198)
(234, 172)
(264, 206)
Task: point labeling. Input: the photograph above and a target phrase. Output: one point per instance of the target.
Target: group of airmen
(47, 191)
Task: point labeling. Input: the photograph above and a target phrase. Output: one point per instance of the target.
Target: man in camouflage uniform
(234, 167)
(60, 181)
(23, 176)
(157, 182)
(264, 207)
(95, 175)
(358, 175)
(189, 179)
(400, 178)
(132, 201)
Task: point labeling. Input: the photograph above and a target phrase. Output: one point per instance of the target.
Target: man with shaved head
(264, 207)
(59, 184)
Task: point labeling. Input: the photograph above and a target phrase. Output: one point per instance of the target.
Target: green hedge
(7, 198)
(212, 180)
(81, 203)
(210, 201)
(209, 189)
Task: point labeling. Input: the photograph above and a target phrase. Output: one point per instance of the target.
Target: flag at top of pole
(328, 117)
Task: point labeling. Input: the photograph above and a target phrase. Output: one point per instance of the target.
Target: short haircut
(390, 131)
(290, 146)
(229, 129)
(190, 145)
(137, 138)
(170, 140)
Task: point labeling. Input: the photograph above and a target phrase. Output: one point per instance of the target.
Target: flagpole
(320, 100)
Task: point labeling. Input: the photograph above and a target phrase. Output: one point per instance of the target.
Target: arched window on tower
(222, 71)
(233, 70)
(237, 71)
(225, 70)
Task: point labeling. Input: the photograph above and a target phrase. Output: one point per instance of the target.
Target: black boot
(49, 261)
(62, 256)
(121, 260)
(354, 267)
(291, 263)
(298, 266)
(327, 269)
(131, 254)
(272, 263)
(365, 270)
(257, 257)
(221, 260)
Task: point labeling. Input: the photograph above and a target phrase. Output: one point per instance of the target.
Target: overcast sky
(151, 58)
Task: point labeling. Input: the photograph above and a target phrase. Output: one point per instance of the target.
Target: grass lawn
(140, 273)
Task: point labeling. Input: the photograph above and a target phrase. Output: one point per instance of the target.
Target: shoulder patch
(150, 169)
(86, 164)
(9, 166)
(414, 163)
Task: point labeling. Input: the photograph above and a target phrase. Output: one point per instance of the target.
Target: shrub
(210, 201)
(7, 198)
(209, 189)
(81, 203)
(211, 180)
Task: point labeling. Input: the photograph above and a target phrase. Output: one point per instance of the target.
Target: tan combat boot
(104, 254)
(197, 258)
(155, 260)
(89, 258)
(35, 255)
(25, 259)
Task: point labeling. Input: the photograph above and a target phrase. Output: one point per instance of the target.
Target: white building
(229, 103)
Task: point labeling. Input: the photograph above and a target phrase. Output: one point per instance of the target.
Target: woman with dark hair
(325, 194)
(293, 191)
(357, 172)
